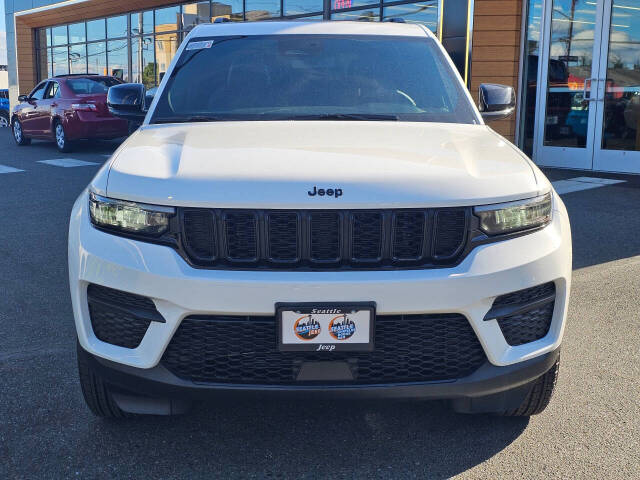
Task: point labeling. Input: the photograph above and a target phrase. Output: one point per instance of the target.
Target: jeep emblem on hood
(331, 192)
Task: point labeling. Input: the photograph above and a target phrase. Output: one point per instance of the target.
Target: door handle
(586, 89)
(604, 89)
(54, 104)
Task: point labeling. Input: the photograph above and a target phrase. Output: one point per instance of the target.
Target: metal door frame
(565, 157)
(627, 161)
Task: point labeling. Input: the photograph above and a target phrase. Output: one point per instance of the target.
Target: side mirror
(127, 101)
(496, 102)
(23, 98)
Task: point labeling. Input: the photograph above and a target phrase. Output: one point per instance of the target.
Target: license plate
(322, 327)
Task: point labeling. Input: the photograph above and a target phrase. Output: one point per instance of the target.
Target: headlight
(515, 216)
(129, 217)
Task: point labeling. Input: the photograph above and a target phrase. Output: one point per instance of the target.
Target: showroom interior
(575, 64)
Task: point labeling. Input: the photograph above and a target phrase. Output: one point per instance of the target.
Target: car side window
(53, 91)
(38, 93)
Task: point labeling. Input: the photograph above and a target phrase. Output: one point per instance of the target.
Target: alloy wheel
(4, 122)
(17, 131)
(60, 140)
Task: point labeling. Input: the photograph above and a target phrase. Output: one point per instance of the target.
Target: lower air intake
(242, 350)
(120, 318)
(525, 316)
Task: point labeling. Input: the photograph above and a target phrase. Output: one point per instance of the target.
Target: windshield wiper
(193, 118)
(319, 116)
(346, 116)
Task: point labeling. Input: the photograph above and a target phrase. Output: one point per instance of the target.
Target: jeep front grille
(323, 239)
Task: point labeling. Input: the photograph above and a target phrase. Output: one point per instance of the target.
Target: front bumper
(488, 389)
(179, 290)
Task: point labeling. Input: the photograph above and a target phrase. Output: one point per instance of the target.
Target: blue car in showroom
(4, 107)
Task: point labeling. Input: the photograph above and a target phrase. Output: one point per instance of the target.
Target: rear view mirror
(496, 102)
(127, 101)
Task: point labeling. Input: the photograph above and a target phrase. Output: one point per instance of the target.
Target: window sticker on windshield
(199, 45)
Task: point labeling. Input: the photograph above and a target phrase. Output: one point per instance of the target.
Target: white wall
(4, 79)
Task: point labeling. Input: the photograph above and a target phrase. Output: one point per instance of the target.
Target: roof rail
(395, 20)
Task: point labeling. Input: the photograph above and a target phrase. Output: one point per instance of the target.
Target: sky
(3, 39)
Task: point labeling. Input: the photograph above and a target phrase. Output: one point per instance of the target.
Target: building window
(60, 61)
(363, 15)
(167, 19)
(262, 9)
(302, 7)
(117, 27)
(118, 58)
(59, 35)
(143, 64)
(139, 46)
(95, 30)
(141, 22)
(78, 58)
(424, 13)
(77, 33)
(97, 58)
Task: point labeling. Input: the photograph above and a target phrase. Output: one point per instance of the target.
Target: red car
(67, 108)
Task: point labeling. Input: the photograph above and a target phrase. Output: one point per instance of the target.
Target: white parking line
(67, 162)
(582, 183)
(5, 169)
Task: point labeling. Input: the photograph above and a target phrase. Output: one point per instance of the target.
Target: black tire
(97, 394)
(18, 133)
(60, 137)
(539, 395)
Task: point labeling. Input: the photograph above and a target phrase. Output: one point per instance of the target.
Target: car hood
(276, 164)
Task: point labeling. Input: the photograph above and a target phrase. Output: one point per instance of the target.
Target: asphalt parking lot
(590, 430)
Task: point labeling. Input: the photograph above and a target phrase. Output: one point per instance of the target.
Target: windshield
(279, 77)
(92, 85)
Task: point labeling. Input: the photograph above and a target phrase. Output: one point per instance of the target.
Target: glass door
(588, 106)
(566, 115)
(617, 126)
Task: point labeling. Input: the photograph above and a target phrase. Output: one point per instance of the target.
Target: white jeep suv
(317, 208)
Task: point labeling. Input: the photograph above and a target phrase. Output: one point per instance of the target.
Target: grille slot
(283, 234)
(241, 234)
(199, 233)
(324, 239)
(242, 350)
(449, 234)
(326, 232)
(408, 235)
(366, 236)
(120, 318)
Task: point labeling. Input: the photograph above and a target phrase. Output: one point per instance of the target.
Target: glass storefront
(139, 46)
(581, 84)
(621, 125)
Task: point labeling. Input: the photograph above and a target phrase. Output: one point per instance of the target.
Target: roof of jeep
(309, 27)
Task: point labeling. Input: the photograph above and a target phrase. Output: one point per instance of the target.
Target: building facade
(574, 63)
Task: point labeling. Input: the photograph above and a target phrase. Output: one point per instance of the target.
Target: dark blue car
(4, 107)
